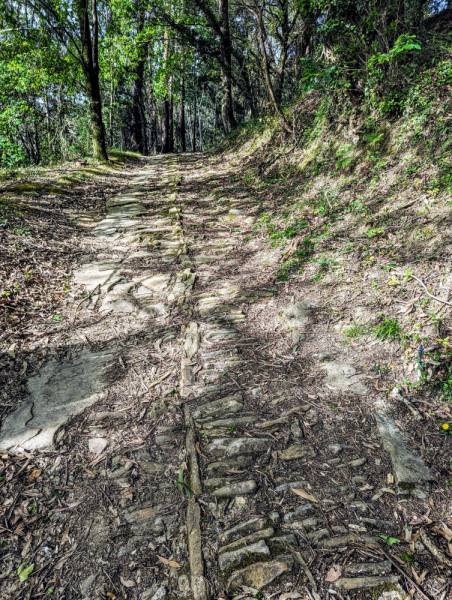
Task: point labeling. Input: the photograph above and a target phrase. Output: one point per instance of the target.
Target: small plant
(374, 232)
(183, 488)
(355, 330)
(390, 328)
(380, 369)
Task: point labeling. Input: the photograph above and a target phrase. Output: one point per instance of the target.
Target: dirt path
(203, 436)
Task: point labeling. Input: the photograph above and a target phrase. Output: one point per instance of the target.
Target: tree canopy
(158, 76)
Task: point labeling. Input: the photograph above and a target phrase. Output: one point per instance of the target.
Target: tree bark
(165, 127)
(171, 124)
(193, 133)
(183, 146)
(166, 108)
(90, 65)
(138, 83)
(227, 112)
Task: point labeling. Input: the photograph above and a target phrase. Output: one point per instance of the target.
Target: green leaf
(56, 317)
(390, 540)
(25, 572)
(407, 557)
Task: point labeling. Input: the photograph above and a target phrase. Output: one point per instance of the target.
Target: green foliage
(183, 488)
(355, 330)
(24, 571)
(389, 328)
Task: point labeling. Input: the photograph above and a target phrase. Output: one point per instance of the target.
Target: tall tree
(89, 55)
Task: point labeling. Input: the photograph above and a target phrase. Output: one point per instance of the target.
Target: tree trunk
(201, 144)
(268, 80)
(227, 113)
(166, 108)
(193, 133)
(171, 124)
(183, 147)
(112, 95)
(138, 83)
(165, 127)
(90, 64)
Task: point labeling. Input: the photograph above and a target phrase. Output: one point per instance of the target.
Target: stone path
(275, 488)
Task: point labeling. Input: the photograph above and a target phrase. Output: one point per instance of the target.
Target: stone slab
(409, 469)
(61, 391)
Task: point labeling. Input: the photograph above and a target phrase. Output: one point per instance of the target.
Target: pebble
(243, 529)
(232, 422)
(376, 568)
(289, 538)
(359, 462)
(360, 505)
(242, 488)
(226, 560)
(235, 446)
(231, 404)
(249, 539)
(319, 535)
(260, 575)
(293, 484)
(303, 509)
(336, 448)
(296, 430)
(238, 462)
(364, 583)
(296, 451)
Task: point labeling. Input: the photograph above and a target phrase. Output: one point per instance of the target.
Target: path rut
(236, 474)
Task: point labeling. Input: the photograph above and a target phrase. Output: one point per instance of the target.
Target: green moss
(36, 188)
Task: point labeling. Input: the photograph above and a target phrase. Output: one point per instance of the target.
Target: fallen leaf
(64, 537)
(170, 563)
(128, 583)
(25, 572)
(26, 548)
(198, 450)
(290, 595)
(131, 461)
(419, 520)
(111, 595)
(304, 495)
(93, 475)
(443, 530)
(333, 575)
(34, 474)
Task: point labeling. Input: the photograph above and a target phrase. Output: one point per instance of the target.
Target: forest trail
(206, 436)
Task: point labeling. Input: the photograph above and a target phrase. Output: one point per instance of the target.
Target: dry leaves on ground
(305, 495)
(333, 575)
(170, 563)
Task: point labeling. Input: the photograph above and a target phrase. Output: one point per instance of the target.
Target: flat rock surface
(57, 394)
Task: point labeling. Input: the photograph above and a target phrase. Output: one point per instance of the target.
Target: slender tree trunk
(138, 83)
(227, 112)
(112, 96)
(90, 64)
(165, 127)
(193, 132)
(268, 80)
(183, 147)
(201, 144)
(171, 124)
(166, 108)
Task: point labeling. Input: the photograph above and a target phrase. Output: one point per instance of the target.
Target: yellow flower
(445, 426)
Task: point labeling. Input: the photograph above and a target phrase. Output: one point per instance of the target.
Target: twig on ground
(304, 566)
(425, 288)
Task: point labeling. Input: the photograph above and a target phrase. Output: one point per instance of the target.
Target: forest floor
(183, 419)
